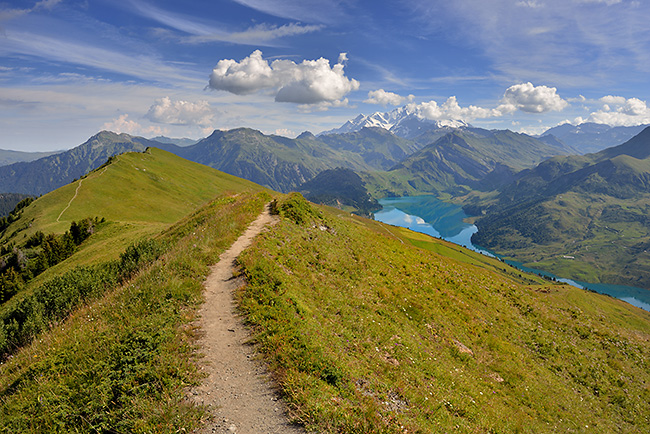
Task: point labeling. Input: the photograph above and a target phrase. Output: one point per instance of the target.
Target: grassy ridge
(122, 363)
(139, 194)
(367, 333)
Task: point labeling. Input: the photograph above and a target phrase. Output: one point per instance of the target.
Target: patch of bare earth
(238, 389)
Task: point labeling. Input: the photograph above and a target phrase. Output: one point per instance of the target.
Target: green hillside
(369, 329)
(138, 194)
(582, 217)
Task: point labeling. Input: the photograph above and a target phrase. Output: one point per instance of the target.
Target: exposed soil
(238, 389)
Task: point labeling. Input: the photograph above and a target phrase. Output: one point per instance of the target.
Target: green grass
(140, 194)
(371, 331)
(607, 237)
(123, 362)
(153, 189)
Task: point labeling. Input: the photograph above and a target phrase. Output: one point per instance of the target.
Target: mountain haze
(591, 137)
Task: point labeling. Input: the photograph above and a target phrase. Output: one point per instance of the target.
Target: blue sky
(70, 68)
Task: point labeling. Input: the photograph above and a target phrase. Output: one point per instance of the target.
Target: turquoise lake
(429, 215)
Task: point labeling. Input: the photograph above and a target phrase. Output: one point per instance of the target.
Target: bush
(296, 208)
(59, 296)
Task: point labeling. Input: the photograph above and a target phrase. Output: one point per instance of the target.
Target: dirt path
(70, 203)
(75, 195)
(237, 389)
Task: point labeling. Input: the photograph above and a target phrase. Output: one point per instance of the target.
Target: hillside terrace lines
(75, 195)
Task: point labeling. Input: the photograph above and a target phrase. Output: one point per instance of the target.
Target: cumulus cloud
(166, 111)
(621, 111)
(124, 125)
(309, 82)
(285, 132)
(532, 99)
(524, 97)
(384, 98)
(451, 110)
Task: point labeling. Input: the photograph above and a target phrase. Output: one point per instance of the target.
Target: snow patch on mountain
(404, 122)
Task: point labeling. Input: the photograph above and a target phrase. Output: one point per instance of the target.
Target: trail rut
(237, 389)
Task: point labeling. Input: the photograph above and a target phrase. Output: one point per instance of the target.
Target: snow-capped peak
(403, 121)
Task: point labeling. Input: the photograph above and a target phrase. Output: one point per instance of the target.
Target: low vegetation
(122, 362)
(366, 332)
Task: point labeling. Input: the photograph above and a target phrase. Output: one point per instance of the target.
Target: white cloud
(451, 110)
(309, 82)
(533, 4)
(384, 98)
(524, 97)
(166, 111)
(260, 34)
(323, 106)
(285, 133)
(124, 125)
(619, 111)
(532, 99)
(301, 10)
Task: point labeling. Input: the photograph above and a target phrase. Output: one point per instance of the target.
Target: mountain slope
(138, 193)
(480, 159)
(371, 331)
(49, 173)
(379, 148)
(284, 164)
(591, 209)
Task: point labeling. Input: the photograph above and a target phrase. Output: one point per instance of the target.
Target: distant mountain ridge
(590, 137)
(403, 122)
(274, 161)
(10, 157)
(462, 159)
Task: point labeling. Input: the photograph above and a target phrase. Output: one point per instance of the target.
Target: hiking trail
(237, 389)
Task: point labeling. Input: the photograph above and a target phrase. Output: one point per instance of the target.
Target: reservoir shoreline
(432, 216)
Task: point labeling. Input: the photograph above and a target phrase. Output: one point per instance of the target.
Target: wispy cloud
(568, 39)
(256, 35)
(312, 11)
(197, 31)
(143, 67)
(7, 14)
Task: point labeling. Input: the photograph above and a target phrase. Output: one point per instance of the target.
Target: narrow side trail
(71, 200)
(237, 389)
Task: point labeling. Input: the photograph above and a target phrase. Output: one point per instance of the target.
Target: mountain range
(284, 164)
(590, 137)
